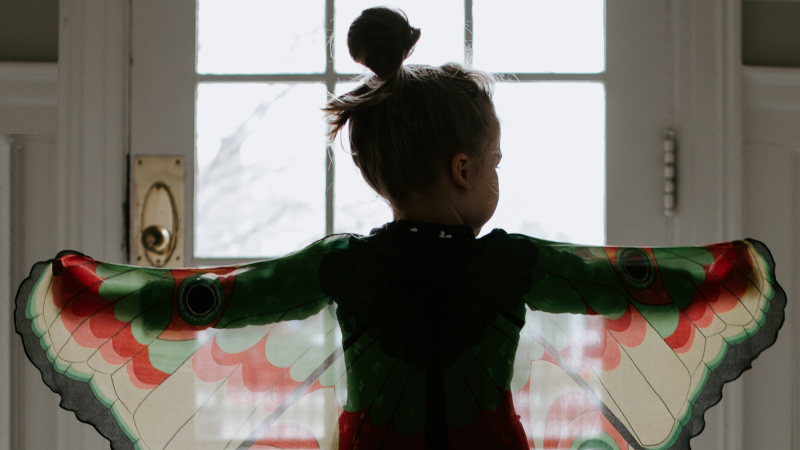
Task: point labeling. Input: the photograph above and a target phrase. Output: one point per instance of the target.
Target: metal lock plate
(157, 211)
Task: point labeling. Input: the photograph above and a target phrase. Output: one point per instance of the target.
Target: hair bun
(381, 39)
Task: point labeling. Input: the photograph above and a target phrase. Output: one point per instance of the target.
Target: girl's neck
(422, 207)
(447, 216)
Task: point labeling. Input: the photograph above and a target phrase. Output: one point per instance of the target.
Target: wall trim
(771, 98)
(28, 98)
(92, 148)
(794, 313)
(730, 41)
(6, 294)
(35, 84)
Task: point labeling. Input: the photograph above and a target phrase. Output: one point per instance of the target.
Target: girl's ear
(461, 171)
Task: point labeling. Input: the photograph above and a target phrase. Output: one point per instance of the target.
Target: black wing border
(737, 360)
(76, 396)
(739, 357)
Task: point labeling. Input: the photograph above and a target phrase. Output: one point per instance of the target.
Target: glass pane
(260, 36)
(260, 168)
(357, 208)
(552, 176)
(441, 22)
(563, 36)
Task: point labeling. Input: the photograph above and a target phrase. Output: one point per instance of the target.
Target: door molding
(707, 115)
(93, 127)
(92, 151)
(6, 295)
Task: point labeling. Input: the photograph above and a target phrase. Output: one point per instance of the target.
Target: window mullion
(330, 84)
(468, 32)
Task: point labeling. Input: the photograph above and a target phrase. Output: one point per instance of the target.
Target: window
(266, 183)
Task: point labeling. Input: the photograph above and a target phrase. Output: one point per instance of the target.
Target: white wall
(28, 110)
(771, 181)
(36, 420)
(33, 181)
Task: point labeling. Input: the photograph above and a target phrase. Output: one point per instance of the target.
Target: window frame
(330, 77)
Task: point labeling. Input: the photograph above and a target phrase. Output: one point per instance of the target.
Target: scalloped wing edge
(731, 368)
(76, 396)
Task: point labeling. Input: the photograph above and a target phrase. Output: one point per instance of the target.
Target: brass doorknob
(156, 239)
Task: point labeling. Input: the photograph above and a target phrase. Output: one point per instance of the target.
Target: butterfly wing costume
(417, 336)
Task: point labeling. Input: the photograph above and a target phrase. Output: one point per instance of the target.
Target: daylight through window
(266, 184)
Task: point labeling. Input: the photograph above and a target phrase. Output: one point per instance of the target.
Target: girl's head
(410, 125)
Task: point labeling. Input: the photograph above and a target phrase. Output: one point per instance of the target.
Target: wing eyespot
(200, 300)
(636, 267)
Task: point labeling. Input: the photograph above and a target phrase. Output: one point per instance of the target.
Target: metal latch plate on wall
(158, 211)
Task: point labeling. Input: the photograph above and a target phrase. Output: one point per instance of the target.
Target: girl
(622, 348)
(427, 139)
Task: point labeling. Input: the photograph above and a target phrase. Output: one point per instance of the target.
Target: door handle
(156, 239)
(157, 213)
